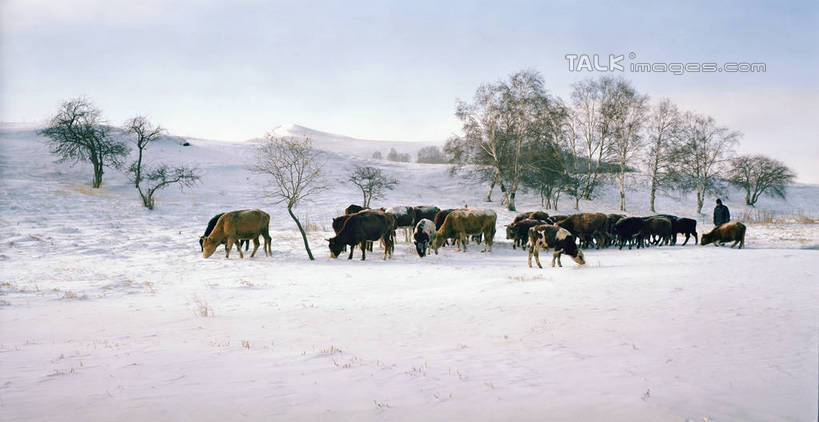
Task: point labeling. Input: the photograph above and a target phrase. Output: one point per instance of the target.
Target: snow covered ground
(108, 311)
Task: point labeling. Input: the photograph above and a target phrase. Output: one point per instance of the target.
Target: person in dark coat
(721, 214)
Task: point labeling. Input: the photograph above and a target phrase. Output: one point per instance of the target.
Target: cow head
(707, 238)
(579, 258)
(510, 232)
(336, 247)
(209, 246)
(421, 243)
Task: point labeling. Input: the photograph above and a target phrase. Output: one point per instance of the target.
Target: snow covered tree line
(78, 133)
(517, 135)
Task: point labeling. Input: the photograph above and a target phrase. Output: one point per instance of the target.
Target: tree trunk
(652, 194)
(511, 205)
(699, 202)
(748, 198)
(491, 188)
(504, 194)
(366, 204)
(622, 186)
(301, 230)
(97, 182)
(138, 170)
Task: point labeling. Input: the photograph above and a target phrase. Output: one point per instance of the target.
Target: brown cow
(234, 226)
(467, 222)
(587, 226)
(725, 233)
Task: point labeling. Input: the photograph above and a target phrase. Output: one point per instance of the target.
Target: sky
(234, 70)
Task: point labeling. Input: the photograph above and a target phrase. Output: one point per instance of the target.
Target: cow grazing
(731, 231)
(519, 232)
(439, 220)
(549, 236)
(404, 219)
(628, 231)
(657, 230)
(686, 226)
(468, 222)
(424, 237)
(362, 227)
(588, 227)
(234, 226)
(211, 225)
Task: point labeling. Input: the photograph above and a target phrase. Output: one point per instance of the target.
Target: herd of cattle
(431, 228)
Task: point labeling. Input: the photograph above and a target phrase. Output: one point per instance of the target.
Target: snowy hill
(349, 146)
(107, 310)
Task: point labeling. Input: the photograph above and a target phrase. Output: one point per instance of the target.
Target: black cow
(404, 219)
(686, 226)
(353, 208)
(362, 227)
(628, 230)
(211, 225)
(425, 211)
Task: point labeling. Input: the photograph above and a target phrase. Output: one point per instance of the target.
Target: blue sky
(393, 70)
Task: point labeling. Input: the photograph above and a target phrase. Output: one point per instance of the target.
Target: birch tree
(627, 111)
(700, 157)
(662, 127)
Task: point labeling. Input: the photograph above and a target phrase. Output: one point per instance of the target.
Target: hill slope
(107, 308)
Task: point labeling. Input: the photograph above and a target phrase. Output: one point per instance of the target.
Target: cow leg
(463, 238)
(352, 249)
(735, 243)
(538, 244)
(239, 248)
(228, 245)
(363, 246)
(255, 246)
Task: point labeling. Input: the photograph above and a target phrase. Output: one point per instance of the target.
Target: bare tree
(757, 174)
(77, 133)
(663, 127)
(592, 122)
(483, 144)
(295, 170)
(700, 156)
(503, 120)
(628, 111)
(377, 155)
(372, 182)
(149, 180)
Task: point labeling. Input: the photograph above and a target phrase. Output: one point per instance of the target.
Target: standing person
(721, 214)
